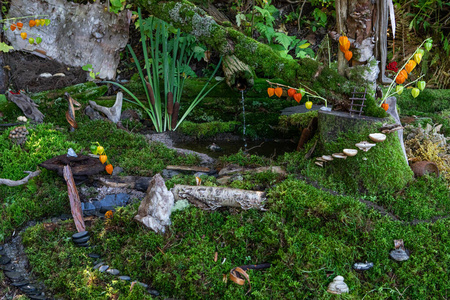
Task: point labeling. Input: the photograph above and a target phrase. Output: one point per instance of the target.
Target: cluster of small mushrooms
(363, 146)
(19, 135)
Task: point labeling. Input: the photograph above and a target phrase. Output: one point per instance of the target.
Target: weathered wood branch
(74, 198)
(209, 197)
(9, 182)
(237, 74)
(27, 105)
(113, 113)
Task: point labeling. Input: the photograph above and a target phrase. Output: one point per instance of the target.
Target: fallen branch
(210, 197)
(113, 113)
(9, 182)
(74, 198)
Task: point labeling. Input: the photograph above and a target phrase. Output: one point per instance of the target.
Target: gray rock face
(77, 35)
(154, 211)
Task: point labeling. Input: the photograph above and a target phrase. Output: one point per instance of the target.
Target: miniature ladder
(361, 104)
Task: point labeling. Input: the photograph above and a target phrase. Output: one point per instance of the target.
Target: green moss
(205, 130)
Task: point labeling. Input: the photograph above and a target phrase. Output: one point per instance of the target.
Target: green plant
(89, 68)
(169, 62)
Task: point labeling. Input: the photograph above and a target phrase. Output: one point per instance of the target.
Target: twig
(9, 182)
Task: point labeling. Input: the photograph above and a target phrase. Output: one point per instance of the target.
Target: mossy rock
(382, 168)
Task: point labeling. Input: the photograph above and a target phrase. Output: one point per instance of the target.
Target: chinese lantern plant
(295, 93)
(402, 74)
(99, 150)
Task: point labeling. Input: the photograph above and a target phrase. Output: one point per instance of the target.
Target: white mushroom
(339, 155)
(338, 286)
(319, 163)
(327, 157)
(364, 146)
(350, 152)
(320, 159)
(377, 137)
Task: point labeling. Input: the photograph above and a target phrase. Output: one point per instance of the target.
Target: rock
(87, 206)
(117, 171)
(71, 153)
(115, 200)
(153, 292)
(81, 240)
(94, 255)
(338, 286)
(113, 272)
(83, 244)
(154, 210)
(15, 276)
(28, 288)
(91, 34)
(93, 114)
(79, 235)
(363, 266)
(98, 265)
(8, 267)
(167, 174)
(103, 268)
(399, 254)
(37, 297)
(224, 180)
(144, 285)
(125, 278)
(104, 209)
(20, 283)
(4, 260)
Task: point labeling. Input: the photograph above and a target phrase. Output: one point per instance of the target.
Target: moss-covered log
(238, 75)
(228, 41)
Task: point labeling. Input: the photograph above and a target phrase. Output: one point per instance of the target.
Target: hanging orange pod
(409, 67)
(291, 92)
(13, 27)
(385, 106)
(270, 91)
(109, 168)
(400, 79)
(32, 23)
(298, 97)
(343, 40)
(348, 55)
(278, 92)
(404, 73)
(19, 25)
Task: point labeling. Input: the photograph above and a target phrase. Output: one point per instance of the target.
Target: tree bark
(208, 197)
(9, 182)
(74, 198)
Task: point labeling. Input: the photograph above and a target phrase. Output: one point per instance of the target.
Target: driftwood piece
(27, 105)
(209, 197)
(30, 175)
(188, 168)
(130, 182)
(70, 113)
(113, 113)
(237, 74)
(74, 198)
(82, 165)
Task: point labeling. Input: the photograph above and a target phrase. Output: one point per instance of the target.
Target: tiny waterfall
(243, 114)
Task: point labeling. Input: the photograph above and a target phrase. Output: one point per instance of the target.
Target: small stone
(79, 235)
(338, 286)
(37, 297)
(88, 206)
(113, 272)
(8, 267)
(153, 292)
(83, 245)
(4, 260)
(399, 254)
(126, 278)
(143, 285)
(20, 283)
(94, 255)
(103, 268)
(117, 171)
(98, 265)
(81, 240)
(71, 153)
(28, 288)
(16, 276)
(363, 266)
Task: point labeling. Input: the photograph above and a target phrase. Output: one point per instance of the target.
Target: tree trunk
(228, 41)
(238, 75)
(209, 197)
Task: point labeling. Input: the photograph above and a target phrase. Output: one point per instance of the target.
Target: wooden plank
(188, 168)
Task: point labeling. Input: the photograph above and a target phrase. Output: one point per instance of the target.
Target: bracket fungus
(319, 163)
(364, 145)
(327, 157)
(339, 155)
(377, 137)
(350, 152)
(337, 286)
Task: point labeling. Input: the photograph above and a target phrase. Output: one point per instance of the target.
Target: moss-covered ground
(308, 235)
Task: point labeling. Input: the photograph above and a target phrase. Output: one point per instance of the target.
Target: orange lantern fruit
(291, 92)
(109, 169)
(400, 78)
(343, 40)
(278, 92)
(103, 158)
(404, 73)
(385, 106)
(298, 97)
(348, 55)
(270, 91)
